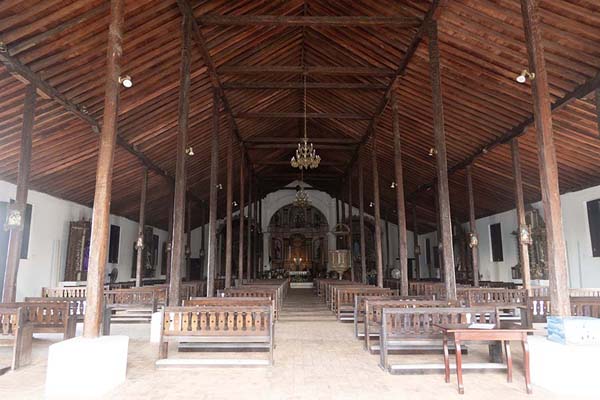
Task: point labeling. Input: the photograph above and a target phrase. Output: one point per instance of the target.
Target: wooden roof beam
(263, 139)
(27, 76)
(306, 70)
(300, 85)
(201, 44)
(578, 93)
(432, 15)
(254, 146)
(309, 20)
(301, 115)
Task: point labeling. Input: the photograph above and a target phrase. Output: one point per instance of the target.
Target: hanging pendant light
(302, 199)
(306, 156)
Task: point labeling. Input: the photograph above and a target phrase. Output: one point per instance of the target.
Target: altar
(298, 242)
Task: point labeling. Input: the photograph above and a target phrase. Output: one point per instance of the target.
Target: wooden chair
(224, 326)
(17, 333)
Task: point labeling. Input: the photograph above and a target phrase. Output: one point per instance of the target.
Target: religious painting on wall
(276, 249)
(78, 248)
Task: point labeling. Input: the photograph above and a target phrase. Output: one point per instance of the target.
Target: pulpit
(339, 261)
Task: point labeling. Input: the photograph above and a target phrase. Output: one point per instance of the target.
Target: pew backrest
(16, 332)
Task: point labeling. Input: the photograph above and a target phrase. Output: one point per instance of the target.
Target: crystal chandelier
(306, 156)
(302, 200)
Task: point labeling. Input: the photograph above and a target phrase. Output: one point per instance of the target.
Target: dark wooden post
(557, 260)
(255, 232)
(101, 212)
(188, 239)
(242, 218)
(473, 228)
(337, 211)
(598, 109)
(416, 247)
(249, 237)
(212, 214)
(447, 253)
(350, 260)
(169, 237)
(15, 239)
(378, 252)
(361, 217)
(259, 245)
(520, 206)
(177, 244)
(202, 236)
(142, 222)
(400, 207)
(229, 232)
(387, 244)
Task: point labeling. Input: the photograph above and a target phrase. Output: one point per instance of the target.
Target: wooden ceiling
(260, 62)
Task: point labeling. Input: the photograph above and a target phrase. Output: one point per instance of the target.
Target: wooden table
(505, 333)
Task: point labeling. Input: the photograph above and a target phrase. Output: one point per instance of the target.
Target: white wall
(45, 263)
(584, 270)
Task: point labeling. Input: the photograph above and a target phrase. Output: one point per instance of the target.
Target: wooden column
(400, 207)
(473, 227)
(102, 195)
(361, 217)
(337, 211)
(229, 228)
(556, 258)
(522, 225)
(416, 248)
(188, 239)
(350, 260)
(203, 236)
(242, 218)
(378, 252)
(142, 222)
(169, 237)
(447, 253)
(387, 244)
(249, 233)
(177, 244)
(15, 239)
(212, 213)
(255, 233)
(598, 109)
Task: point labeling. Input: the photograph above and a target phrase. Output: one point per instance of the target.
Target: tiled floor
(316, 358)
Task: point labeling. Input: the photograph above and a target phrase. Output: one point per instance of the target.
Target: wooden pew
(374, 312)
(77, 308)
(74, 291)
(413, 329)
(225, 325)
(330, 290)
(478, 296)
(268, 292)
(344, 300)
(539, 307)
(17, 333)
(135, 305)
(360, 301)
(49, 317)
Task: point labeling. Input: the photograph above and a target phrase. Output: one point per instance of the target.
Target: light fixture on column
(306, 156)
(126, 81)
(524, 75)
(189, 151)
(219, 186)
(432, 151)
(234, 203)
(371, 204)
(393, 185)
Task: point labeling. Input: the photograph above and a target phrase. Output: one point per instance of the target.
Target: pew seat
(15, 332)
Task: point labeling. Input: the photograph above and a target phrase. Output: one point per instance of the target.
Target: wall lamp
(126, 81)
(524, 75)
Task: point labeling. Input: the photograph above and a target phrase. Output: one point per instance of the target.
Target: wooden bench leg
(526, 365)
(508, 361)
(446, 359)
(23, 344)
(459, 377)
(163, 350)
